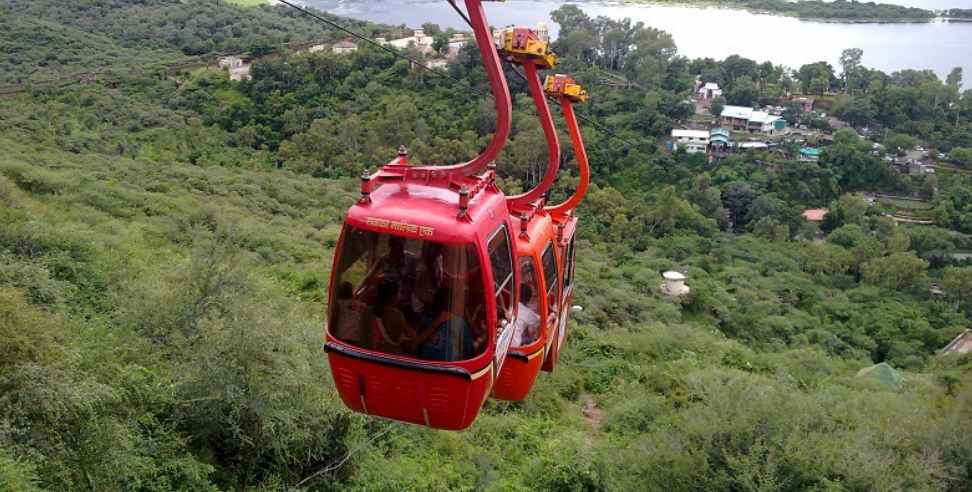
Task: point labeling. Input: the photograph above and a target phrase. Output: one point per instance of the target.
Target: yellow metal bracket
(564, 85)
(521, 44)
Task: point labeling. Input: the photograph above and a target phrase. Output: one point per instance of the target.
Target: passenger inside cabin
(527, 321)
(446, 337)
(428, 277)
(388, 324)
(348, 315)
(398, 266)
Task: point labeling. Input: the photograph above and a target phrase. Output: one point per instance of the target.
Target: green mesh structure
(882, 373)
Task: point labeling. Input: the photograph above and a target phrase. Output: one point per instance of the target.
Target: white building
(344, 48)
(437, 63)
(238, 67)
(693, 141)
(745, 119)
(418, 41)
(709, 91)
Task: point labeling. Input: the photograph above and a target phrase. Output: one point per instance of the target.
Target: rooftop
(681, 133)
(962, 344)
(737, 112)
(673, 275)
(810, 152)
(815, 214)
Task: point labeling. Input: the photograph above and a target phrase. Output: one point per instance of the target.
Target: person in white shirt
(527, 327)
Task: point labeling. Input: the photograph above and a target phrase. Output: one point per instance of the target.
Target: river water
(717, 33)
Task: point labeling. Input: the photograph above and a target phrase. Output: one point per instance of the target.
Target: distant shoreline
(734, 5)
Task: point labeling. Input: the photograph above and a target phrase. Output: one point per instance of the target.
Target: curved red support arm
(580, 153)
(499, 87)
(549, 132)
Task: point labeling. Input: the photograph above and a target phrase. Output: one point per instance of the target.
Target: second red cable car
(568, 92)
(540, 270)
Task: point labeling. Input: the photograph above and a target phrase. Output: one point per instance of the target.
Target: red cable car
(567, 92)
(423, 289)
(540, 270)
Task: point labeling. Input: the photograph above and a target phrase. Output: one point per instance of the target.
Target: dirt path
(592, 414)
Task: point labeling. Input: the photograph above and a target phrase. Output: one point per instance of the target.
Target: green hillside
(165, 241)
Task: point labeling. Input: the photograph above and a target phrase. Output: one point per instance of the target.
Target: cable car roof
(431, 211)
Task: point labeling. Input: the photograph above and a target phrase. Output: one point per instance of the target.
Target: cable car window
(550, 275)
(408, 297)
(569, 267)
(501, 261)
(528, 317)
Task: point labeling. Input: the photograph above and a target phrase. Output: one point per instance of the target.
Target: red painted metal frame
(549, 133)
(566, 222)
(499, 87)
(580, 153)
(458, 204)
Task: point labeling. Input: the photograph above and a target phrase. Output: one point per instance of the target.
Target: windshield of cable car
(409, 297)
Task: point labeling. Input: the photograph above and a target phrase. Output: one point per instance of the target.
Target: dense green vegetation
(165, 244)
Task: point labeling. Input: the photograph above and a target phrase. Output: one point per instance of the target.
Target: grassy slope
(668, 385)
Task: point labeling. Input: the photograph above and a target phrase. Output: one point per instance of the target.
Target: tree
(819, 70)
(825, 258)
(743, 92)
(961, 156)
(850, 159)
(850, 61)
(896, 271)
(856, 110)
(718, 104)
(954, 78)
(431, 29)
(819, 86)
(793, 112)
(900, 143)
(440, 42)
(957, 284)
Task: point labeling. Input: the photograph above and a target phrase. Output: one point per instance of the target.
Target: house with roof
(693, 141)
(720, 141)
(237, 66)
(709, 91)
(809, 154)
(418, 40)
(345, 47)
(752, 146)
(815, 214)
(962, 344)
(745, 119)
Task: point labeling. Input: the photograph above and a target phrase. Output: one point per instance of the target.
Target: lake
(717, 33)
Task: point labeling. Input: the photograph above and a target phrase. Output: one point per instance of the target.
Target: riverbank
(816, 10)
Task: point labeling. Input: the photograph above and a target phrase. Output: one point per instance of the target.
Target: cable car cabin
(422, 303)
(568, 92)
(539, 304)
(564, 242)
(536, 256)
(422, 293)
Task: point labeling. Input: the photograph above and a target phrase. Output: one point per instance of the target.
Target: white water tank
(674, 284)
